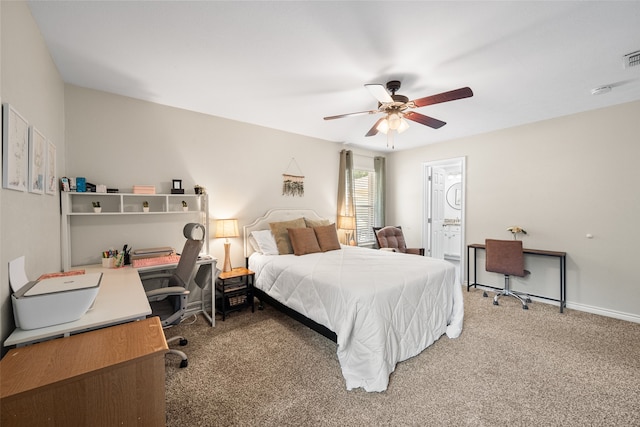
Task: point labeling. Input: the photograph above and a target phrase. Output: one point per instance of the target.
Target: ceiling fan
(397, 109)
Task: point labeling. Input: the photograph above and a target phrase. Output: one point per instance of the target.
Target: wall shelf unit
(123, 220)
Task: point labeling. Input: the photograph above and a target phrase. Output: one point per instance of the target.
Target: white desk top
(121, 299)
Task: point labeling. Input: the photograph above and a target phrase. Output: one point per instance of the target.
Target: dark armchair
(391, 237)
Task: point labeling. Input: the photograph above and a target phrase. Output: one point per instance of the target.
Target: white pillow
(266, 242)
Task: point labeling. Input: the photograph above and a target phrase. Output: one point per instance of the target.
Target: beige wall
(120, 142)
(560, 179)
(32, 85)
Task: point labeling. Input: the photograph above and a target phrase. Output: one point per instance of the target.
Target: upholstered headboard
(274, 215)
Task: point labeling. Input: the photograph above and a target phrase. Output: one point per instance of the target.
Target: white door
(436, 213)
(435, 209)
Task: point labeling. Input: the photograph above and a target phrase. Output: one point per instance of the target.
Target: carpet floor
(509, 367)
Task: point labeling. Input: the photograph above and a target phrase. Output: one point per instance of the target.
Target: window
(364, 199)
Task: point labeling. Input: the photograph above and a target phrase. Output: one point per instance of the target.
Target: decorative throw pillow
(265, 241)
(316, 222)
(279, 231)
(303, 241)
(327, 236)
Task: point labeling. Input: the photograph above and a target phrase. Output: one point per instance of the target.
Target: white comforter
(384, 307)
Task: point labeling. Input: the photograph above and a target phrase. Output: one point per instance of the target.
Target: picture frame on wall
(52, 180)
(15, 149)
(37, 160)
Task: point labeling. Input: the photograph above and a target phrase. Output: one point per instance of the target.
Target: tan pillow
(327, 236)
(303, 241)
(279, 231)
(316, 222)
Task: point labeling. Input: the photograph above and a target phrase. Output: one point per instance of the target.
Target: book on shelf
(144, 189)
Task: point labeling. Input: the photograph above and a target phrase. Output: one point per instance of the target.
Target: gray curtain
(381, 179)
(346, 205)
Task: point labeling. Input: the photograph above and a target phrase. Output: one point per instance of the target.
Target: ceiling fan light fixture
(383, 126)
(394, 120)
(404, 125)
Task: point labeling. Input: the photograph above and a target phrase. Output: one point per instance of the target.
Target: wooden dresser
(108, 377)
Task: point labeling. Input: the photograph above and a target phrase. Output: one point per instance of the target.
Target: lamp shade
(383, 126)
(227, 228)
(347, 222)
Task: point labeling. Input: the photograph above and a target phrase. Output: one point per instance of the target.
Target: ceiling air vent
(631, 59)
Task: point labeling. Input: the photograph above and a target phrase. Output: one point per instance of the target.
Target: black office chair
(168, 298)
(506, 257)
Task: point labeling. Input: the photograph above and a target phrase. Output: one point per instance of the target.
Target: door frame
(426, 208)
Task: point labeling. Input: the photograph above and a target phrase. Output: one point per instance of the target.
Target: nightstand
(234, 291)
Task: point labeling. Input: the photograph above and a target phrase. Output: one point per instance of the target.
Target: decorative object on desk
(37, 160)
(515, 230)
(109, 258)
(127, 254)
(185, 207)
(145, 206)
(293, 182)
(176, 187)
(348, 224)
(64, 183)
(198, 189)
(227, 228)
(15, 149)
(81, 184)
(96, 207)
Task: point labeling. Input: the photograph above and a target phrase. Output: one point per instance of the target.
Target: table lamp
(227, 228)
(347, 223)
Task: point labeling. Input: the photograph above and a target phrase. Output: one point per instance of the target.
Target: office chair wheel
(184, 342)
(184, 363)
(485, 294)
(527, 300)
(525, 307)
(495, 302)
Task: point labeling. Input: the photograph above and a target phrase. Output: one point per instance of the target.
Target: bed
(379, 307)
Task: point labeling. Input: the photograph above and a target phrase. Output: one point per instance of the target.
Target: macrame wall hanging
(293, 180)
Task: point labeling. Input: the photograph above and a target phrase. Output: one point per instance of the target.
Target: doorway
(444, 211)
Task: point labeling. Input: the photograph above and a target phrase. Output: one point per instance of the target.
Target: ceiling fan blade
(339, 116)
(424, 120)
(452, 95)
(374, 129)
(379, 92)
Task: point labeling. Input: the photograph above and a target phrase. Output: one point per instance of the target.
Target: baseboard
(604, 312)
(629, 317)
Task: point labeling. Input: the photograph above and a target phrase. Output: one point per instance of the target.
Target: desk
(109, 377)
(121, 299)
(562, 256)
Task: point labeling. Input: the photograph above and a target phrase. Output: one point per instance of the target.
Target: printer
(51, 301)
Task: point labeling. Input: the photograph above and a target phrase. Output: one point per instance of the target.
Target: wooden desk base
(109, 377)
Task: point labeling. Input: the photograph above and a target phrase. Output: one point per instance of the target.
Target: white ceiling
(286, 65)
